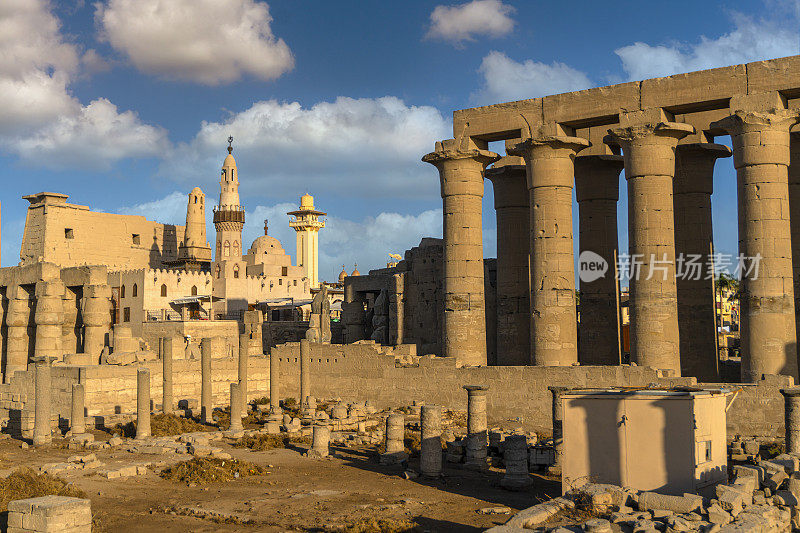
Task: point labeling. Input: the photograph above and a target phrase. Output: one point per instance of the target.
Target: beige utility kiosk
(670, 441)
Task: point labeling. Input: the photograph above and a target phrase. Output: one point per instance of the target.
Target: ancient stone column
(305, 372)
(461, 176)
(512, 209)
(475, 455)
(77, 413)
(17, 318)
(96, 318)
(558, 428)
(394, 451)
(49, 316)
(693, 185)
(430, 454)
(167, 398)
(142, 403)
(759, 129)
(794, 219)
(274, 385)
(597, 191)
(550, 170)
(397, 309)
(648, 141)
(206, 404)
(244, 358)
(515, 457)
(42, 430)
(320, 441)
(236, 409)
(791, 411)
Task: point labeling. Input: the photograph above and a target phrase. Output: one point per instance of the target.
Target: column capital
(452, 150)
(759, 137)
(476, 389)
(597, 177)
(648, 147)
(551, 145)
(694, 167)
(791, 392)
(509, 178)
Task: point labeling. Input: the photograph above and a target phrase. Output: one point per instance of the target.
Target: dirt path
(298, 494)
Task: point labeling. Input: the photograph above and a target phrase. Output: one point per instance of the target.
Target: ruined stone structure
(415, 297)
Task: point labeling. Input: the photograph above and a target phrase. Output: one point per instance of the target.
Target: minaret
(229, 215)
(195, 250)
(307, 225)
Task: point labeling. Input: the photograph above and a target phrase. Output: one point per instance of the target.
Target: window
(295, 283)
(236, 251)
(126, 314)
(163, 290)
(135, 291)
(137, 239)
(122, 292)
(68, 233)
(280, 281)
(194, 290)
(227, 248)
(218, 271)
(276, 315)
(236, 271)
(284, 271)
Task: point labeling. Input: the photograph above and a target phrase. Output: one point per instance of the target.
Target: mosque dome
(266, 245)
(197, 191)
(356, 272)
(342, 275)
(306, 201)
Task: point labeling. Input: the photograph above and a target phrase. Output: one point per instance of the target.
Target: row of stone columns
(672, 321)
(43, 307)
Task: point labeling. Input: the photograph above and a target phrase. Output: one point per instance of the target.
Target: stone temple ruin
(447, 328)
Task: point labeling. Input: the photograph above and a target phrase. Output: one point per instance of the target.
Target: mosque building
(106, 273)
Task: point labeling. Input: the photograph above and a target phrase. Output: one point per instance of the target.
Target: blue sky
(125, 105)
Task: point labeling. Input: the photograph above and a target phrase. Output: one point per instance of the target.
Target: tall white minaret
(307, 225)
(229, 215)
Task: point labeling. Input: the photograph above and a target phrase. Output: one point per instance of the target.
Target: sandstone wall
(73, 235)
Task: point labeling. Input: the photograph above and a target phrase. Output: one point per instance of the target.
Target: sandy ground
(298, 493)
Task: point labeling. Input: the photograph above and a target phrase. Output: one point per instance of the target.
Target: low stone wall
(516, 394)
(388, 377)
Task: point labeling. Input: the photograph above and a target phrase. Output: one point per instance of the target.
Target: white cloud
(371, 147)
(205, 41)
(94, 138)
(463, 22)
(40, 120)
(506, 80)
(751, 40)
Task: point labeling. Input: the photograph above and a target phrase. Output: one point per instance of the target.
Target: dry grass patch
(378, 525)
(260, 443)
(162, 425)
(25, 483)
(203, 470)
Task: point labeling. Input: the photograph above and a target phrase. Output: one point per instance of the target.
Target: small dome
(342, 275)
(356, 272)
(266, 245)
(306, 201)
(197, 191)
(229, 162)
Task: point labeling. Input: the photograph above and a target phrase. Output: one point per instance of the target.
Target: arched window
(195, 199)
(236, 250)
(194, 290)
(163, 290)
(227, 249)
(122, 292)
(236, 271)
(135, 291)
(218, 271)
